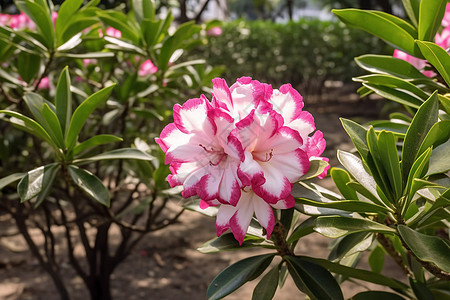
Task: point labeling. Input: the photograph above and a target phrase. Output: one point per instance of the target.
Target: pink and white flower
(242, 151)
(147, 68)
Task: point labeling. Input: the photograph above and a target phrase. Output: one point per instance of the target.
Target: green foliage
(306, 52)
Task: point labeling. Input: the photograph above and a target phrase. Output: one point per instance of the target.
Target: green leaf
(336, 226)
(82, 113)
(420, 290)
(437, 135)
(396, 95)
(358, 273)
(40, 15)
(99, 55)
(90, 183)
(439, 159)
(391, 29)
(436, 56)
(346, 205)
(150, 30)
(266, 288)
(119, 21)
(358, 135)
(53, 124)
(430, 17)
(445, 102)
(305, 228)
(227, 242)
(28, 66)
(143, 9)
(412, 10)
(354, 165)
(29, 125)
(398, 129)
(341, 178)
(94, 141)
(36, 181)
(393, 82)
(376, 295)
(237, 274)
(317, 166)
(390, 159)
(123, 153)
(313, 279)
(376, 259)
(351, 244)
(67, 9)
(427, 248)
(63, 100)
(10, 179)
(425, 118)
(383, 64)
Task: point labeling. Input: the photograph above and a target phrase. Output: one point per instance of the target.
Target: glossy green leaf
(95, 141)
(83, 112)
(351, 244)
(266, 288)
(305, 228)
(151, 31)
(427, 248)
(237, 274)
(227, 242)
(40, 15)
(393, 82)
(420, 290)
(313, 279)
(36, 181)
(341, 178)
(364, 275)
(390, 159)
(438, 57)
(437, 135)
(143, 9)
(119, 21)
(28, 66)
(98, 55)
(317, 166)
(346, 205)
(120, 45)
(54, 125)
(396, 95)
(445, 102)
(398, 129)
(90, 184)
(63, 100)
(383, 64)
(355, 167)
(5, 181)
(29, 125)
(123, 153)
(391, 29)
(425, 118)
(430, 17)
(376, 295)
(412, 10)
(336, 226)
(357, 134)
(439, 159)
(376, 259)
(67, 9)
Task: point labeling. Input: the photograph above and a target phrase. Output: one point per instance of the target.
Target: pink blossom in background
(443, 39)
(416, 62)
(21, 21)
(44, 84)
(89, 61)
(214, 31)
(54, 17)
(113, 32)
(147, 68)
(446, 19)
(4, 19)
(243, 151)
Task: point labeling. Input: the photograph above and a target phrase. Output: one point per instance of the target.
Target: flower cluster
(441, 39)
(243, 151)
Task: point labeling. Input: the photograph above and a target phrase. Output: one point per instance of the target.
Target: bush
(306, 52)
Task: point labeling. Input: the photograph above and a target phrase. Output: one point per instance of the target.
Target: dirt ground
(166, 264)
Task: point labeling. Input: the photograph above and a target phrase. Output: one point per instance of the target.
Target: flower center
(217, 156)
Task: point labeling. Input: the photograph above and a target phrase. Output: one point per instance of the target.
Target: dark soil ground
(166, 264)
